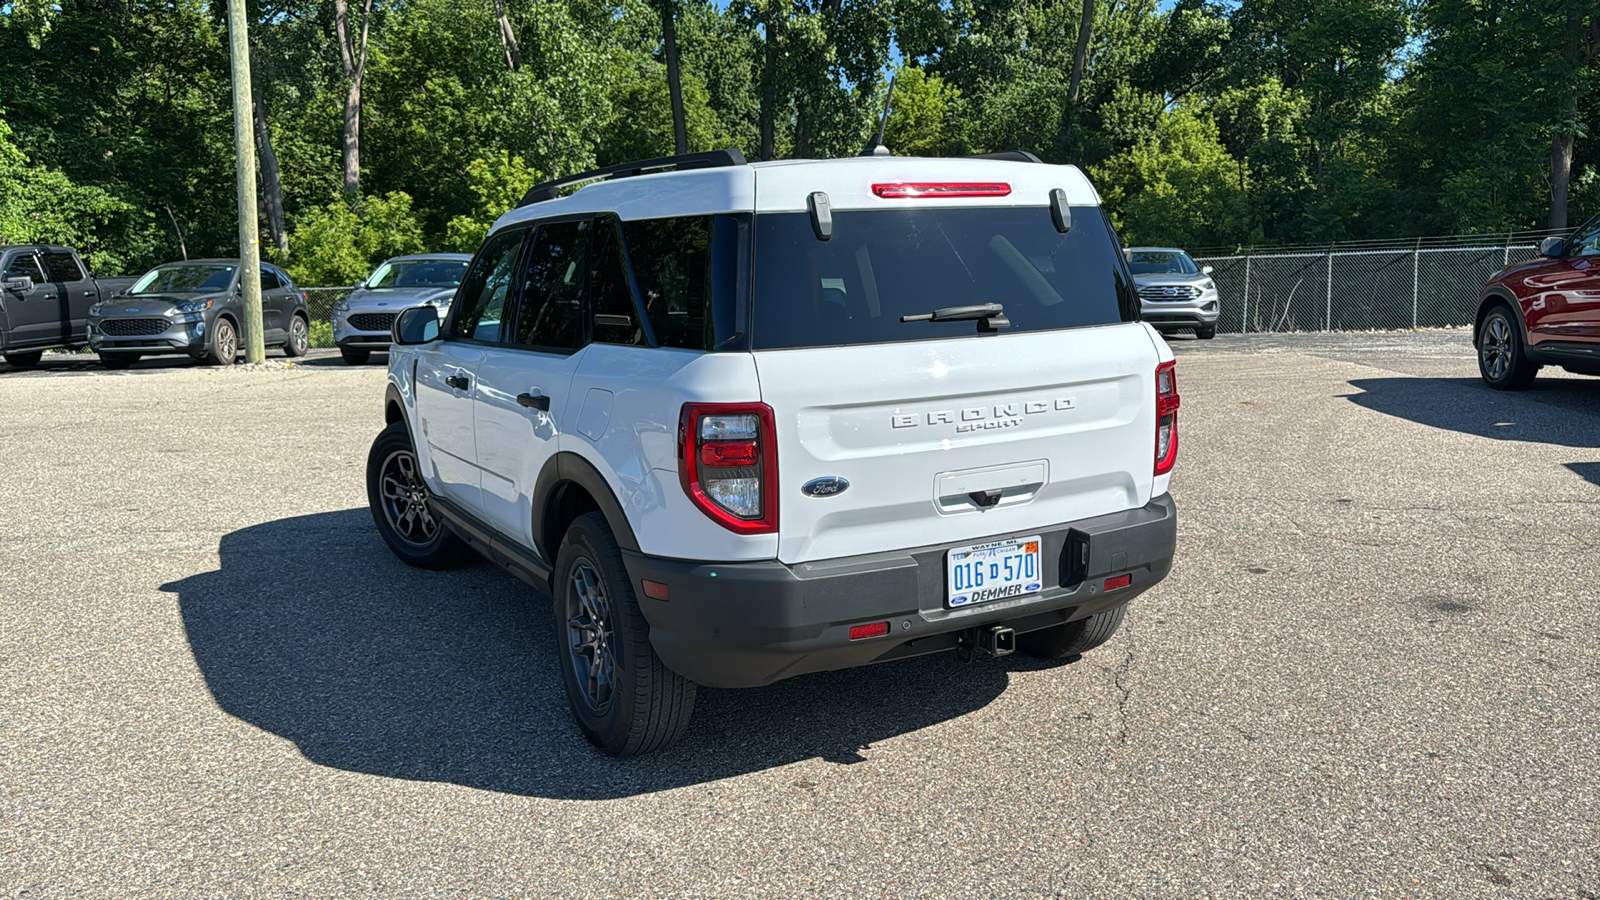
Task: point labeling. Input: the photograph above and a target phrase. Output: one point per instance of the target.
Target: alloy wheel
(298, 335)
(589, 635)
(227, 342)
(405, 500)
(1494, 347)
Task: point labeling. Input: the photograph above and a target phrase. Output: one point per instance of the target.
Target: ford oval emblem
(826, 486)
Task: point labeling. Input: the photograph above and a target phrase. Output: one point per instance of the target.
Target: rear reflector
(876, 629)
(922, 189)
(655, 590)
(729, 453)
(1121, 581)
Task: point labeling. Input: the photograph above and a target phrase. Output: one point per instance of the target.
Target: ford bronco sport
(750, 421)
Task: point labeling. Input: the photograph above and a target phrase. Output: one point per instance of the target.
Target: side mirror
(1552, 247)
(19, 284)
(1206, 270)
(417, 325)
(360, 286)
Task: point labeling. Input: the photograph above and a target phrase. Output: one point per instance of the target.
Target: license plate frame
(1010, 568)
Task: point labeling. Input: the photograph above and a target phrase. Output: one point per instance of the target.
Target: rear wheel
(1502, 358)
(299, 337)
(118, 360)
(25, 360)
(1072, 638)
(402, 507)
(224, 344)
(626, 701)
(1206, 332)
(355, 357)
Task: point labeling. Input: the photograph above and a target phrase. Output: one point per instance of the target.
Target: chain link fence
(1427, 283)
(320, 301)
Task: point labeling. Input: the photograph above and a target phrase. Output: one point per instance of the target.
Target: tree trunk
(271, 181)
(353, 56)
(669, 36)
(1080, 61)
(769, 84)
(508, 38)
(1578, 50)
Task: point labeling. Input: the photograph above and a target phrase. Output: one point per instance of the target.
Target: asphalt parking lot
(1374, 670)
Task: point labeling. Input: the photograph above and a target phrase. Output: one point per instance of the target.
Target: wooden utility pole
(244, 147)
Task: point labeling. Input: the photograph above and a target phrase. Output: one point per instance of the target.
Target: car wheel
(1206, 332)
(1072, 638)
(26, 360)
(402, 507)
(118, 360)
(299, 341)
(355, 357)
(626, 701)
(224, 344)
(1502, 359)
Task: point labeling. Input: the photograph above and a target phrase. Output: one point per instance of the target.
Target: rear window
(884, 264)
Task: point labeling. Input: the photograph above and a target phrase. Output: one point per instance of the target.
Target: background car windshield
(184, 280)
(1161, 262)
(441, 273)
(883, 264)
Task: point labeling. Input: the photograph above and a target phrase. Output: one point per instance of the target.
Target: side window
(483, 294)
(610, 298)
(63, 267)
(25, 265)
(672, 261)
(269, 280)
(1586, 243)
(552, 287)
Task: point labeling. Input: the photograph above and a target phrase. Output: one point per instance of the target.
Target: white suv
(746, 422)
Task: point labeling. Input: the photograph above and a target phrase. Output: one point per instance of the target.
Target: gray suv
(1174, 293)
(361, 320)
(196, 307)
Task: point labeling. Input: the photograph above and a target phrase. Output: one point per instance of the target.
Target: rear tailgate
(948, 441)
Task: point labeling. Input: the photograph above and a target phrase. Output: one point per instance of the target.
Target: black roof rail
(1008, 156)
(712, 159)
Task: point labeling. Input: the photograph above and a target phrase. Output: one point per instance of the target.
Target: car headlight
(342, 304)
(1208, 285)
(94, 309)
(194, 306)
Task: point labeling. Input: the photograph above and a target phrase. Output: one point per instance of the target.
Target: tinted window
(63, 267)
(672, 261)
(406, 273)
(552, 285)
(269, 281)
(610, 297)
(884, 264)
(1161, 262)
(25, 265)
(482, 299)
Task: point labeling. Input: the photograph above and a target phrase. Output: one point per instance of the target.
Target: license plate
(993, 571)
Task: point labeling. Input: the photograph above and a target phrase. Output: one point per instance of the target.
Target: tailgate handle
(985, 499)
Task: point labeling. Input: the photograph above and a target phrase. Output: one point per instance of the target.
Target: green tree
(341, 243)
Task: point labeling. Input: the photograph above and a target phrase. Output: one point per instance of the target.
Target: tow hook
(994, 640)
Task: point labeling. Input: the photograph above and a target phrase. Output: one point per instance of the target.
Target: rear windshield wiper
(990, 316)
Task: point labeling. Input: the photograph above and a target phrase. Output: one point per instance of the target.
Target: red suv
(1542, 313)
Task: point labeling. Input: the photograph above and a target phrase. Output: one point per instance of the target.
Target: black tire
(624, 699)
(118, 361)
(1206, 332)
(26, 359)
(402, 507)
(224, 343)
(355, 357)
(1502, 358)
(1072, 638)
(299, 342)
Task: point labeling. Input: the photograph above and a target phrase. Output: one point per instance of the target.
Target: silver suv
(361, 321)
(1174, 293)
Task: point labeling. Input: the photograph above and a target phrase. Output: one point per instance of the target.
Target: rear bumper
(750, 624)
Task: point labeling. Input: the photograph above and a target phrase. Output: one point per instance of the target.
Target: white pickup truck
(749, 421)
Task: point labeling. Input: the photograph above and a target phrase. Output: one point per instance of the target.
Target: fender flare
(392, 399)
(1492, 297)
(566, 468)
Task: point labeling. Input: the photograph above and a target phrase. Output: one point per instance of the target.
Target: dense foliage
(1202, 123)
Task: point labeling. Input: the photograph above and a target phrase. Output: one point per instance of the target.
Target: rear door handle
(459, 382)
(540, 402)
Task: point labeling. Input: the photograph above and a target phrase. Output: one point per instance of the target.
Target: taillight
(728, 462)
(923, 189)
(1166, 416)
